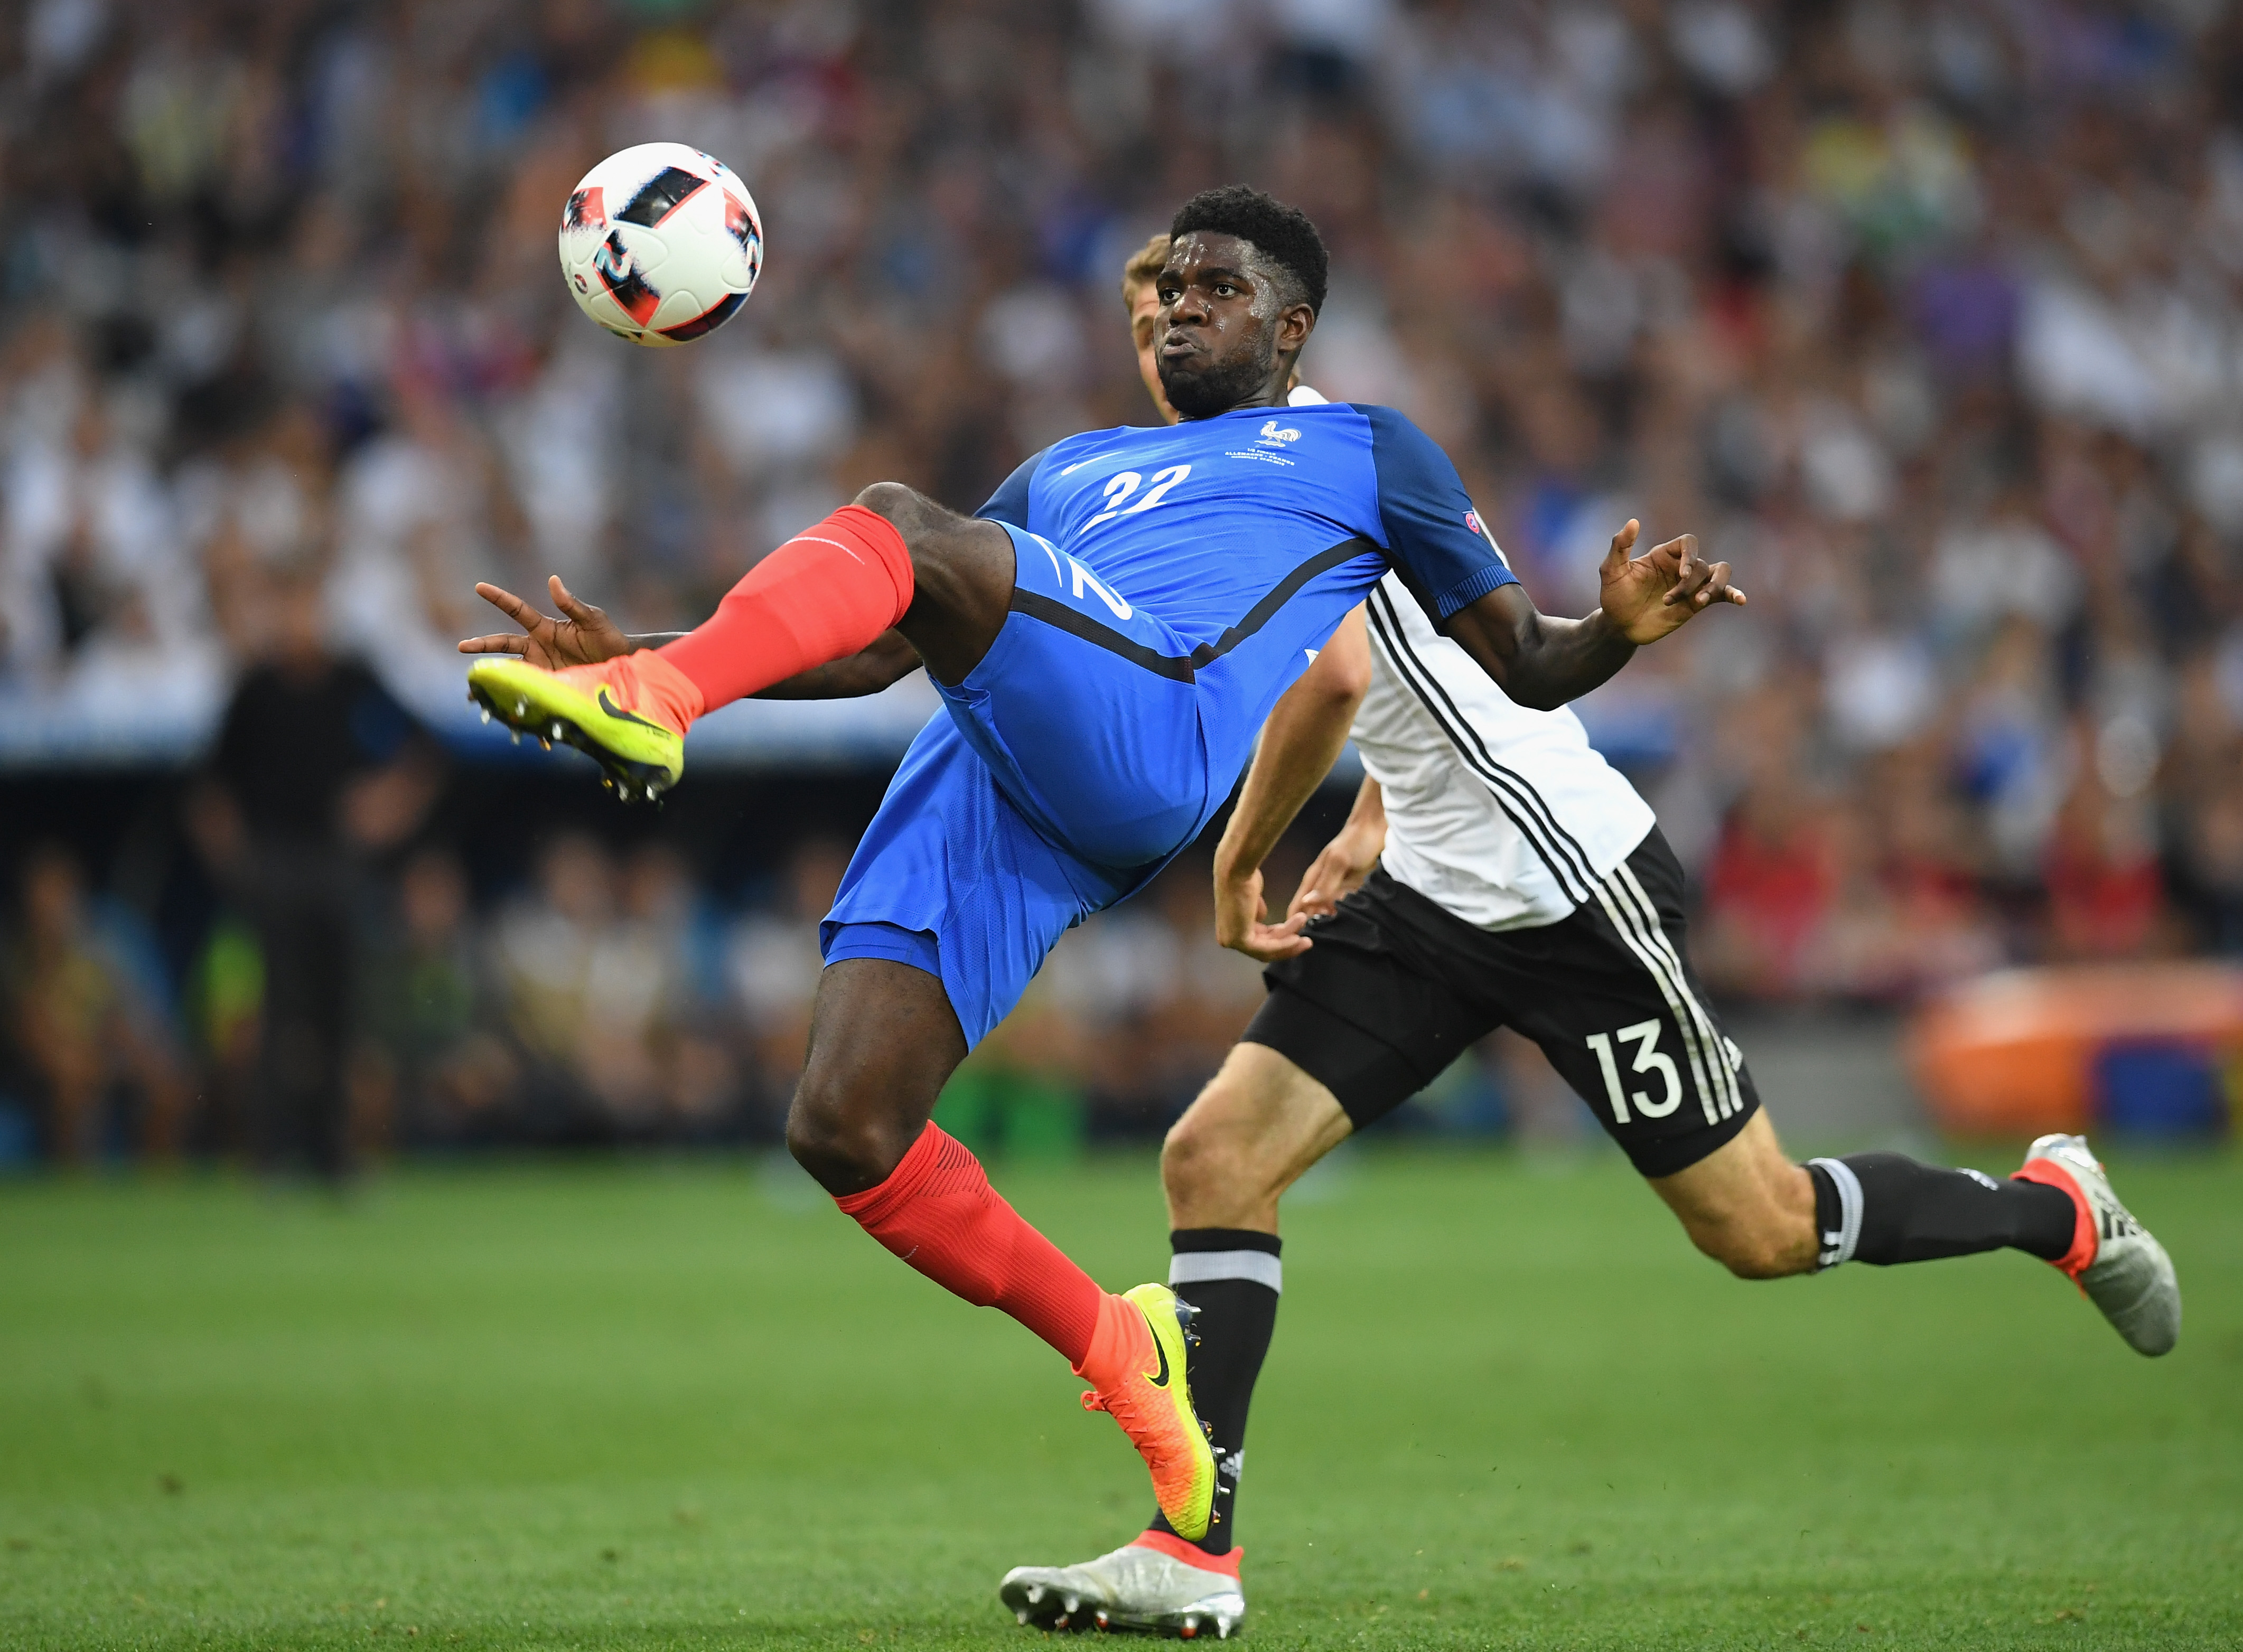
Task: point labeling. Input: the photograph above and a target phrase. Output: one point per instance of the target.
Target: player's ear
(1295, 323)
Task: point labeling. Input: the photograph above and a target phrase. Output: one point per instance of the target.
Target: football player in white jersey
(1496, 871)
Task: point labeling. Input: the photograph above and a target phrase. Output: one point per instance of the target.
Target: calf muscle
(1746, 1206)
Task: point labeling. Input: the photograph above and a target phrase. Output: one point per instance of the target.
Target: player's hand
(586, 636)
(1242, 920)
(1337, 872)
(1645, 597)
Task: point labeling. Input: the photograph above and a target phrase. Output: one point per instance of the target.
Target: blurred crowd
(1925, 314)
(607, 1001)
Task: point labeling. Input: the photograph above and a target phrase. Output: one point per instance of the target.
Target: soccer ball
(660, 243)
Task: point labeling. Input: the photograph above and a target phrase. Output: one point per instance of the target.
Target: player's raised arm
(1542, 662)
(1453, 565)
(1299, 743)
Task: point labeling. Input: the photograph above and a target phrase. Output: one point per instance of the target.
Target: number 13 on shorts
(1644, 1035)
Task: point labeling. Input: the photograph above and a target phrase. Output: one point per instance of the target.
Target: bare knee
(1211, 1175)
(1195, 1162)
(892, 500)
(883, 1042)
(846, 1148)
(923, 523)
(1257, 1126)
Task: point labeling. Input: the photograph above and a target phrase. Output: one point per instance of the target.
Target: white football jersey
(1504, 816)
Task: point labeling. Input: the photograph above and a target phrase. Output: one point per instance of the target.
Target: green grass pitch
(655, 1406)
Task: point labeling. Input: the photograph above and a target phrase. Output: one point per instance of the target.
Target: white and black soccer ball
(660, 243)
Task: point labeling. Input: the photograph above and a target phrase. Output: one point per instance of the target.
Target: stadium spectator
(593, 968)
(673, 938)
(771, 962)
(87, 1048)
(433, 1022)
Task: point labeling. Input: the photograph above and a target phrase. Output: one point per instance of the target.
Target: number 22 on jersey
(1120, 501)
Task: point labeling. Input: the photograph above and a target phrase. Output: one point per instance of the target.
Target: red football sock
(938, 1211)
(823, 596)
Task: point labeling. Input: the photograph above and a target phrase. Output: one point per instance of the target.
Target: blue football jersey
(1170, 584)
(1251, 534)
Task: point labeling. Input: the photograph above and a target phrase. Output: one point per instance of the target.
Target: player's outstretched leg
(893, 559)
(883, 1041)
(1748, 1206)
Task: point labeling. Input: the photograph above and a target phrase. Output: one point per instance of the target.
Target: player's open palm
(583, 636)
(1645, 597)
(1242, 920)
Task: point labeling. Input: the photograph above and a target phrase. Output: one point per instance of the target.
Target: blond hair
(1143, 266)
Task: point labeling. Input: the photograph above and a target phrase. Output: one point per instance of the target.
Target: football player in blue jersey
(1108, 634)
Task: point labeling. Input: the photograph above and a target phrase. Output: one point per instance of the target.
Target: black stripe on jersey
(1280, 594)
(1182, 668)
(1051, 611)
(1533, 798)
(1514, 795)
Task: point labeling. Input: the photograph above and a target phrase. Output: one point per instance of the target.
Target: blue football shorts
(1064, 770)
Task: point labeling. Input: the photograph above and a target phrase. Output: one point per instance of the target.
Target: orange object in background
(2016, 1053)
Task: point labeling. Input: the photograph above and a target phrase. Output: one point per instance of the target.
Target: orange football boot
(1136, 1364)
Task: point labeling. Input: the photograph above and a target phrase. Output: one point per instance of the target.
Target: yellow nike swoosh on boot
(642, 757)
(1152, 1404)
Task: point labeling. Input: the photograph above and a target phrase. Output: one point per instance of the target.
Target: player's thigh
(1258, 1124)
(883, 1042)
(961, 577)
(1747, 1205)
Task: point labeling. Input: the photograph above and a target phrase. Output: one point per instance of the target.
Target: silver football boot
(2131, 1278)
(1135, 1588)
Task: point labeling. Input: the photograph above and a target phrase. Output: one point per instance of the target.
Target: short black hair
(1280, 233)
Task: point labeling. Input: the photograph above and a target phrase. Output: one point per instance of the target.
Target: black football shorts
(1397, 987)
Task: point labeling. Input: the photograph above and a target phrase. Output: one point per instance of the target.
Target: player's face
(1222, 327)
(1144, 324)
